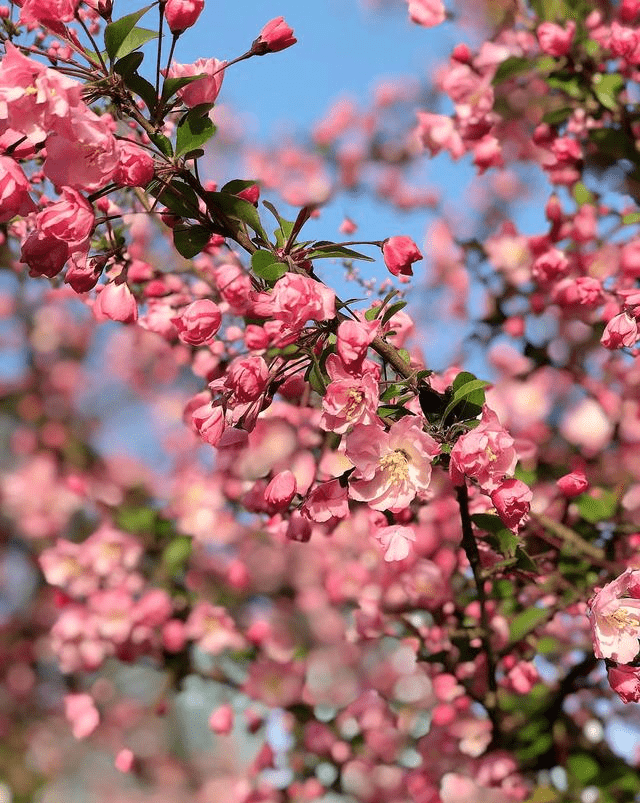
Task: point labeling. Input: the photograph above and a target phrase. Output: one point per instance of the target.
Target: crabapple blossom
(182, 14)
(512, 500)
(116, 302)
(393, 466)
(427, 12)
(614, 613)
(275, 35)
(625, 681)
(486, 453)
(399, 254)
(203, 90)
(198, 323)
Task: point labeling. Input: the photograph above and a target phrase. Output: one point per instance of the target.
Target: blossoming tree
(369, 579)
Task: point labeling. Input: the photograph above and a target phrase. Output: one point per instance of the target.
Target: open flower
(391, 467)
(614, 612)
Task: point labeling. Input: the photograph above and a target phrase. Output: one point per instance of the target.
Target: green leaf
(524, 561)
(261, 259)
(189, 241)
(316, 379)
(271, 272)
(178, 197)
(391, 311)
(632, 217)
(336, 252)
(597, 505)
(116, 32)
(557, 116)
(177, 553)
(237, 185)
(135, 39)
(171, 85)
(487, 522)
(136, 519)
(392, 391)
(194, 130)
(607, 87)
(527, 621)
(145, 90)
(583, 767)
(162, 143)
(470, 391)
(582, 194)
(239, 209)
(514, 65)
(128, 64)
(569, 84)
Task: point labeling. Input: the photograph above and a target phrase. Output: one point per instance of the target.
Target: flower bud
(280, 491)
(221, 720)
(116, 303)
(198, 322)
(276, 35)
(399, 253)
(182, 14)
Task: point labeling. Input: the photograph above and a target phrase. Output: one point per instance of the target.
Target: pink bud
(512, 500)
(221, 720)
(116, 303)
(251, 194)
(280, 491)
(573, 484)
(135, 166)
(81, 712)
(209, 423)
(198, 322)
(173, 635)
(182, 14)
(276, 35)
(399, 253)
(124, 760)
(625, 681)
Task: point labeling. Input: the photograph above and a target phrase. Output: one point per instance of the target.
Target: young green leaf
(189, 241)
(116, 32)
(194, 130)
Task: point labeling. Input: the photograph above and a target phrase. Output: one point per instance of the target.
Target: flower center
(353, 403)
(396, 463)
(624, 617)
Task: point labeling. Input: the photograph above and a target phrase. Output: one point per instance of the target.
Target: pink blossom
(296, 299)
(204, 89)
(572, 484)
(182, 14)
(135, 166)
(554, 39)
(213, 629)
(622, 330)
(399, 254)
(391, 467)
(46, 12)
(427, 12)
(209, 423)
(14, 191)
(81, 712)
(247, 378)
(125, 760)
(83, 153)
(198, 323)
(354, 338)
(221, 720)
(614, 613)
(396, 541)
(512, 500)
(625, 681)
(71, 219)
(523, 677)
(550, 266)
(280, 491)
(275, 35)
(116, 303)
(45, 256)
(349, 399)
(486, 454)
(326, 501)
(437, 131)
